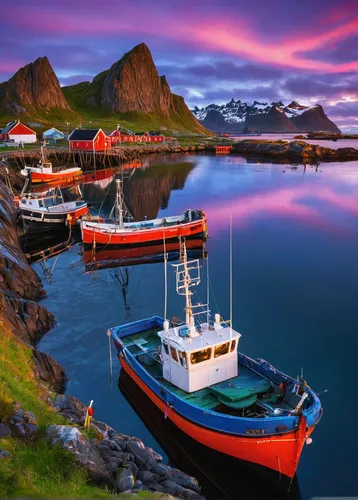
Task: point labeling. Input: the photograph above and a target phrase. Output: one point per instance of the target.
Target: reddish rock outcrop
(36, 86)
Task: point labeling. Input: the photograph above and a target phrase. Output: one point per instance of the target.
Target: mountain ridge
(130, 92)
(236, 116)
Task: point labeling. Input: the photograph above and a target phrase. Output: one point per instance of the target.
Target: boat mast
(117, 210)
(187, 282)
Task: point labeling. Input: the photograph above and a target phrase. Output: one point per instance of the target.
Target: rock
(171, 487)
(146, 477)
(71, 439)
(4, 431)
(4, 453)
(131, 466)
(161, 470)
(105, 430)
(184, 480)
(124, 480)
(142, 458)
(154, 454)
(156, 487)
(50, 371)
(34, 85)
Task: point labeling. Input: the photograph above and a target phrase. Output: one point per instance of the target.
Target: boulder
(4, 453)
(4, 431)
(23, 423)
(184, 480)
(142, 458)
(131, 466)
(146, 477)
(124, 480)
(71, 439)
(50, 371)
(154, 454)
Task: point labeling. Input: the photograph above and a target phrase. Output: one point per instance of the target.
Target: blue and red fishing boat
(225, 400)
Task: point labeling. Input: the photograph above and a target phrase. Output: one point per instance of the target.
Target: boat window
(233, 345)
(221, 349)
(166, 348)
(182, 358)
(199, 356)
(174, 354)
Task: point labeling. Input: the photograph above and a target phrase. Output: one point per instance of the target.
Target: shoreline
(36, 414)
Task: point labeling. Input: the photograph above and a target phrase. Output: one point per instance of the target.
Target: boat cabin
(197, 357)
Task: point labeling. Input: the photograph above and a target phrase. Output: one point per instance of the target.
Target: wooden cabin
(89, 140)
(18, 132)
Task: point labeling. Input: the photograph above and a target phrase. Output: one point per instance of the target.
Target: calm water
(295, 240)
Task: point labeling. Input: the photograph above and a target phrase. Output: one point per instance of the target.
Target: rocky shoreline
(115, 461)
(294, 150)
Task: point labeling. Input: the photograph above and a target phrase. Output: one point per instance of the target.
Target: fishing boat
(44, 172)
(192, 223)
(194, 373)
(49, 210)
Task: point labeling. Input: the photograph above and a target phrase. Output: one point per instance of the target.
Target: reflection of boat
(190, 223)
(219, 475)
(235, 405)
(117, 257)
(98, 176)
(44, 172)
(49, 209)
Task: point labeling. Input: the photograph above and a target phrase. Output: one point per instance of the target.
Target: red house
(89, 140)
(18, 132)
(117, 138)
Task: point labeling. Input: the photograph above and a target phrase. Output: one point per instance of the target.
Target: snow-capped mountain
(236, 116)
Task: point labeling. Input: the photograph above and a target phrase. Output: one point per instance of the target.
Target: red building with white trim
(89, 140)
(117, 137)
(18, 132)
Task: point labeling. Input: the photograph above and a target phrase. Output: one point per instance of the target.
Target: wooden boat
(225, 400)
(44, 172)
(191, 223)
(49, 209)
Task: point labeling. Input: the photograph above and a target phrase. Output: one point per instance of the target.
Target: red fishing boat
(192, 223)
(44, 172)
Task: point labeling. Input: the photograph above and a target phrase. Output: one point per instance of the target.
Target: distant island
(238, 116)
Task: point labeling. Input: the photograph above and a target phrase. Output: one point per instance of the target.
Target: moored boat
(225, 400)
(47, 210)
(44, 172)
(192, 223)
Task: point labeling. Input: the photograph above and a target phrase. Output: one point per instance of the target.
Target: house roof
(52, 131)
(82, 134)
(10, 126)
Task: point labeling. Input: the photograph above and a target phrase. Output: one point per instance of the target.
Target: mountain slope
(33, 86)
(264, 117)
(130, 93)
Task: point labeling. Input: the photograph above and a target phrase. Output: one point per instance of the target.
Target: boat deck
(248, 389)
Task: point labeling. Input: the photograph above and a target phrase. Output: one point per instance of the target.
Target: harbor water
(295, 290)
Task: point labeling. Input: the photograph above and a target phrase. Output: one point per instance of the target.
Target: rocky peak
(133, 84)
(35, 85)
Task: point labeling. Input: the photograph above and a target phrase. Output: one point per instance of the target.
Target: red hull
(280, 453)
(133, 237)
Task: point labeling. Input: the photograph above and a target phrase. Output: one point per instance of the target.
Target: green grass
(36, 468)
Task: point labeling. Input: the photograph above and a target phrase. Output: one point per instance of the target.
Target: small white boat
(44, 172)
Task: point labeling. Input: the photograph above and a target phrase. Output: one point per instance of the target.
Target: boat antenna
(230, 276)
(207, 290)
(165, 279)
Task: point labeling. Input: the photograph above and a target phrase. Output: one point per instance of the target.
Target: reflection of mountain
(149, 191)
(146, 191)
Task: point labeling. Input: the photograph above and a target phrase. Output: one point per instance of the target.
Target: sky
(210, 51)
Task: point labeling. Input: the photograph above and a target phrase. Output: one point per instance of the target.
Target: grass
(36, 468)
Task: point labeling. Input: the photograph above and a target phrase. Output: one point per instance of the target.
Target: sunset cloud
(211, 50)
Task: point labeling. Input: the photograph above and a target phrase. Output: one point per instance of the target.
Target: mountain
(235, 116)
(133, 85)
(33, 86)
(130, 93)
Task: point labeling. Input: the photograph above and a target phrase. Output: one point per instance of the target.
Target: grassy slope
(35, 468)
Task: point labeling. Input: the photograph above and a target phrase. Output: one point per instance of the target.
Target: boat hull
(92, 236)
(45, 219)
(280, 452)
(39, 177)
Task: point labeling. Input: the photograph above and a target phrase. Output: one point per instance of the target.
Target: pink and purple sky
(210, 51)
